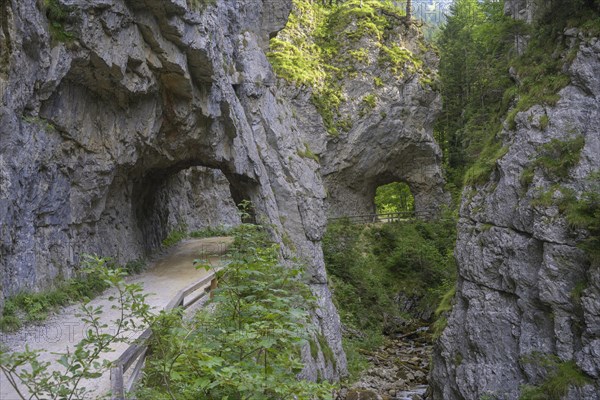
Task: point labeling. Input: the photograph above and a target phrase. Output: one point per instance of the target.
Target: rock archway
(191, 199)
(351, 189)
(96, 132)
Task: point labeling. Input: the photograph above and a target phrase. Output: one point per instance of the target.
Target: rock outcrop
(105, 102)
(528, 297)
(385, 84)
(391, 137)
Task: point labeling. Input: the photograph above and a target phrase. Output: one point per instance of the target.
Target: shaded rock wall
(95, 129)
(526, 292)
(191, 199)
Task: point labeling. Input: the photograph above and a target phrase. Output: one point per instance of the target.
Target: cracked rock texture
(519, 266)
(102, 134)
(390, 140)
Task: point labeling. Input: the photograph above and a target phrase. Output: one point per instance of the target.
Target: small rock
(572, 32)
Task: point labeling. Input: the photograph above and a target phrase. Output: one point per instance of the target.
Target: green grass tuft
(175, 236)
(557, 157)
(446, 302)
(480, 172)
(212, 232)
(561, 376)
(308, 153)
(35, 307)
(57, 15)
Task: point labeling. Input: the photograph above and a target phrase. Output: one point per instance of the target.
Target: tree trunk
(408, 9)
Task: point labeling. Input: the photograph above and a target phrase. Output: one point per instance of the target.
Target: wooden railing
(384, 217)
(136, 352)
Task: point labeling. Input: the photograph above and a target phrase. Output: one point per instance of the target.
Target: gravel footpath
(162, 280)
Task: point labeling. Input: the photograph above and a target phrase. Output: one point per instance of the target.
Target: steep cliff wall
(526, 316)
(105, 102)
(372, 99)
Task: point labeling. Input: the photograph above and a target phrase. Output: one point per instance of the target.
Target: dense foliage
(394, 197)
(247, 343)
(477, 46)
(371, 267)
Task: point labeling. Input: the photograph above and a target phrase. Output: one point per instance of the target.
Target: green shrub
(10, 323)
(175, 236)
(560, 376)
(247, 344)
(135, 266)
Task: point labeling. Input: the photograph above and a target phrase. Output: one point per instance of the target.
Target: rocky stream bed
(398, 370)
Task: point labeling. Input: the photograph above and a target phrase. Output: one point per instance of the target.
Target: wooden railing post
(116, 383)
(138, 349)
(213, 286)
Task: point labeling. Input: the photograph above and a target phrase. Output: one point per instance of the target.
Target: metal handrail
(138, 349)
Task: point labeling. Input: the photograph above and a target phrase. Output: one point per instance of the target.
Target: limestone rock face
(198, 198)
(107, 108)
(389, 112)
(526, 292)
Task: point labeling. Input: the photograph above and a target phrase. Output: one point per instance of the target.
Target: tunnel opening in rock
(240, 195)
(394, 197)
(183, 200)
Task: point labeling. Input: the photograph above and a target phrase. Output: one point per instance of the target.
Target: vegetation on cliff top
(322, 45)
